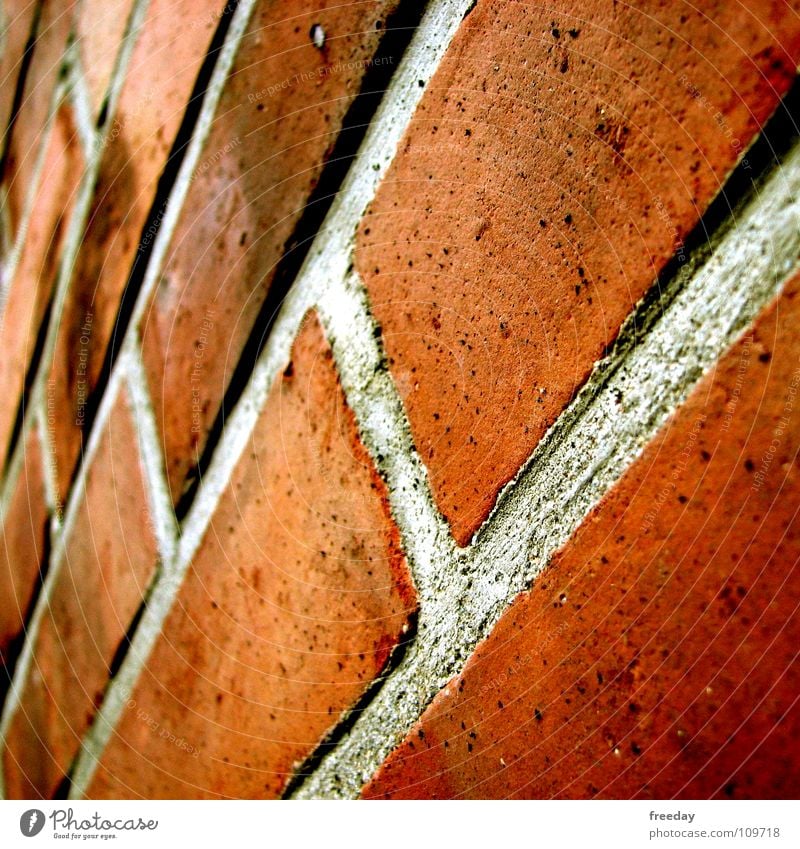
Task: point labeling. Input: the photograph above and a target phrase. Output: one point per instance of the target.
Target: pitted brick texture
(22, 549)
(291, 435)
(109, 559)
(139, 140)
(276, 125)
(36, 106)
(557, 161)
(31, 286)
(656, 657)
(100, 28)
(16, 20)
(291, 607)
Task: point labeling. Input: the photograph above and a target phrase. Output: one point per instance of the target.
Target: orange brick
(24, 533)
(174, 35)
(17, 18)
(110, 556)
(276, 125)
(560, 156)
(31, 288)
(23, 144)
(291, 607)
(100, 30)
(656, 657)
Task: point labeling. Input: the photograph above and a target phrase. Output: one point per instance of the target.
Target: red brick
(559, 157)
(17, 23)
(100, 29)
(32, 286)
(24, 531)
(109, 559)
(28, 132)
(261, 162)
(150, 110)
(657, 655)
(289, 610)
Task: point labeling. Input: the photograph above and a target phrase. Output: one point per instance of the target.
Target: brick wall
(399, 399)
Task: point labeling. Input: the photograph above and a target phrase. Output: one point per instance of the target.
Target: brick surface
(100, 29)
(23, 144)
(559, 157)
(175, 35)
(24, 530)
(290, 609)
(110, 556)
(277, 122)
(16, 18)
(31, 288)
(657, 655)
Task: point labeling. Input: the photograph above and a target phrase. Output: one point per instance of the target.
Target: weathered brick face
(556, 163)
(134, 155)
(17, 23)
(280, 116)
(399, 399)
(100, 30)
(290, 609)
(102, 577)
(23, 549)
(656, 656)
(23, 143)
(31, 282)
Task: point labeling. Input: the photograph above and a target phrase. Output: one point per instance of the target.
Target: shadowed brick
(558, 159)
(32, 285)
(100, 29)
(22, 550)
(656, 657)
(277, 122)
(174, 38)
(109, 559)
(291, 607)
(16, 18)
(28, 132)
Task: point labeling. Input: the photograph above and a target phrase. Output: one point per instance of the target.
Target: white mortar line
(184, 179)
(10, 482)
(329, 256)
(166, 532)
(133, 27)
(86, 192)
(54, 506)
(75, 501)
(579, 460)
(36, 405)
(325, 265)
(79, 215)
(81, 102)
(165, 586)
(71, 248)
(14, 467)
(373, 397)
(165, 525)
(15, 254)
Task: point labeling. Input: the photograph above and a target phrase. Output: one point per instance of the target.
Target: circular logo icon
(31, 822)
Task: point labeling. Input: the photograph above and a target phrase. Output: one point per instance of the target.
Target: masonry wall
(399, 399)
